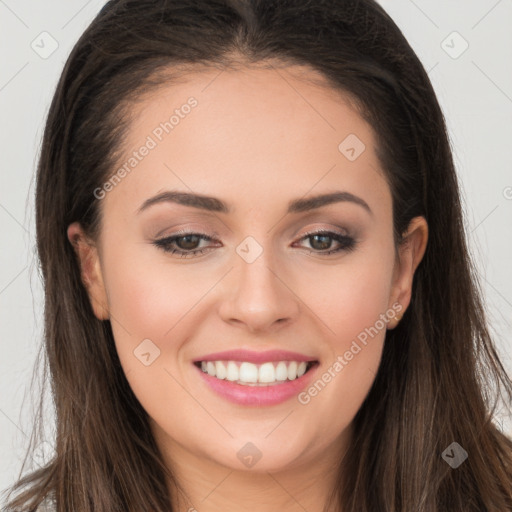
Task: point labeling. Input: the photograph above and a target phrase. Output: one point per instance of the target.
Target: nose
(257, 296)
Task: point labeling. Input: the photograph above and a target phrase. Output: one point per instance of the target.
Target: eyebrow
(214, 204)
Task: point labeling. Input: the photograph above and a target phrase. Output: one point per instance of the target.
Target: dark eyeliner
(347, 243)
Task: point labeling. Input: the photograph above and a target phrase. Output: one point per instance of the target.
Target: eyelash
(347, 243)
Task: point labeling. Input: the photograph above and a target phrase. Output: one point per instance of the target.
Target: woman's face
(249, 151)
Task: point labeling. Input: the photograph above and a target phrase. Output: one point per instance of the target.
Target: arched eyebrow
(311, 203)
(214, 204)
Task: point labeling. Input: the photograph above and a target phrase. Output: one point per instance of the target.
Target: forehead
(260, 131)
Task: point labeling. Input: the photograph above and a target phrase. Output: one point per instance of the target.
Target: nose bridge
(254, 269)
(259, 297)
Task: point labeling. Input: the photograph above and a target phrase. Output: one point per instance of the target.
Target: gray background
(474, 88)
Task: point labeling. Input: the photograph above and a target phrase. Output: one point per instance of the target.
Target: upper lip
(255, 357)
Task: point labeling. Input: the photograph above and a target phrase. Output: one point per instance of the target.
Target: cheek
(351, 297)
(148, 290)
(354, 307)
(150, 317)
(150, 297)
(147, 301)
(158, 300)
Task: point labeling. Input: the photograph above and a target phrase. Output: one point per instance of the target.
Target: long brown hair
(440, 375)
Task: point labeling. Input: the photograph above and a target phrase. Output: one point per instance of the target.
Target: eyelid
(187, 231)
(314, 231)
(214, 235)
(346, 241)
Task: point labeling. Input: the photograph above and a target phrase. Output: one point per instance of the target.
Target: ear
(410, 254)
(90, 270)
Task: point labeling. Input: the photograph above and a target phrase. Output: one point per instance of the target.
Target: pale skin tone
(255, 143)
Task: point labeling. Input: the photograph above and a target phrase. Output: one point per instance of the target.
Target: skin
(257, 139)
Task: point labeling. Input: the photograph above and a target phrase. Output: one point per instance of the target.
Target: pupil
(190, 241)
(324, 245)
(187, 238)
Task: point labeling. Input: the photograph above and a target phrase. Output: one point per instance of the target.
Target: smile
(250, 374)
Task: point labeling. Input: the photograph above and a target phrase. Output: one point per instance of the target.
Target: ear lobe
(90, 270)
(410, 254)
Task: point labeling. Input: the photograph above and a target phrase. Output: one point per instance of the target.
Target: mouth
(245, 373)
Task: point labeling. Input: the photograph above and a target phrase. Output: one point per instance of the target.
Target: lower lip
(258, 395)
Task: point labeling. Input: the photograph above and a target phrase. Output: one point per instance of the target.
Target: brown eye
(188, 242)
(321, 242)
(184, 244)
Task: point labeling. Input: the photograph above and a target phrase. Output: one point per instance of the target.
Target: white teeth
(301, 370)
(252, 374)
(292, 370)
(232, 373)
(248, 372)
(282, 371)
(221, 370)
(210, 368)
(267, 373)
